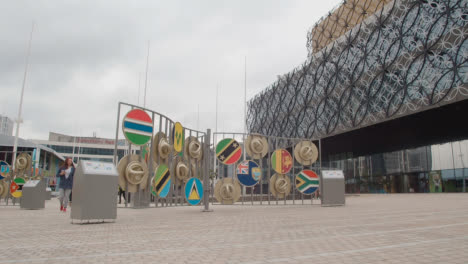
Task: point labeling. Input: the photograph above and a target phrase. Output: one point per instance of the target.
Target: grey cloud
(87, 55)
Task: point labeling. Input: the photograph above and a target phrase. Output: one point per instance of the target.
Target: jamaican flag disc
(228, 151)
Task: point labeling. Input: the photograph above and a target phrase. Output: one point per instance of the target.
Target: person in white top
(65, 174)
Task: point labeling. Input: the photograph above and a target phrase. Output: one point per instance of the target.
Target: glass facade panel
(425, 169)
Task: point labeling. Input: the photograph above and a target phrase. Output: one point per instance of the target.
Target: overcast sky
(86, 56)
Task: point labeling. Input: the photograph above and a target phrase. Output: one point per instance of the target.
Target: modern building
(385, 90)
(45, 161)
(6, 126)
(86, 148)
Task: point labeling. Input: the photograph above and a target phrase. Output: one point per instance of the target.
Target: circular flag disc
(281, 161)
(16, 187)
(4, 169)
(162, 181)
(193, 191)
(228, 151)
(137, 127)
(307, 182)
(248, 173)
(178, 137)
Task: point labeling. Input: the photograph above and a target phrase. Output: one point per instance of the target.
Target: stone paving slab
(396, 228)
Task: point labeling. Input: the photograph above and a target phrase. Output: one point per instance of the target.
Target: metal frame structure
(162, 123)
(267, 172)
(209, 161)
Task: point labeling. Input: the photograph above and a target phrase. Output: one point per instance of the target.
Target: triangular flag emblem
(194, 193)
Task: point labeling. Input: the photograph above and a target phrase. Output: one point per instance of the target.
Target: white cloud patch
(87, 56)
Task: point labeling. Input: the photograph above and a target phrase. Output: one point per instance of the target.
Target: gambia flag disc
(137, 127)
(228, 151)
(16, 187)
(281, 161)
(307, 182)
(162, 181)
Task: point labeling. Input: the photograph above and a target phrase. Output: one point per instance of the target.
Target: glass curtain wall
(434, 168)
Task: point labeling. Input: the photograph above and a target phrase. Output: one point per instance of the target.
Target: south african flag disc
(137, 127)
(307, 182)
(228, 151)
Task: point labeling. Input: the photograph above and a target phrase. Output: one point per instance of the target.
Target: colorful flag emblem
(281, 161)
(4, 169)
(248, 173)
(307, 182)
(193, 191)
(145, 152)
(178, 137)
(137, 127)
(16, 187)
(162, 181)
(228, 151)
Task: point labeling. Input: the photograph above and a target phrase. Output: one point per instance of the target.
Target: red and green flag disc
(137, 127)
(228, 151)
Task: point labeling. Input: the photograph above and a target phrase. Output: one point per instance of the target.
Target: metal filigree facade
(407, 57)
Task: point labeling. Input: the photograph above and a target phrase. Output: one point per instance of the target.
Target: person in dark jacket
(65, 173)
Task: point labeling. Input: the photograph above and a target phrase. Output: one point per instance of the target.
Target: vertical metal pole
(164, 202)
(453, 162)
(146, 75)
(156, 199)
(294, 174)
(269, 169)
(117, 136)
(320, 175)
(276, 147)
(288, 175)
(463, 167)
(127, 193)
(150, 162)
(261, 181)
(245, 96)
(206, 170)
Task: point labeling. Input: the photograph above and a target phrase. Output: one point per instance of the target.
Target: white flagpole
(19, 120)
(217, 88)
(139, 82)
(245, 94)
(245, 100)
(146, 76)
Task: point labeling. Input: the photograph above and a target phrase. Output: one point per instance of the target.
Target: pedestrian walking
(65, 173)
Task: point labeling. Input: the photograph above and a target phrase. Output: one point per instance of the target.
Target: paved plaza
(399, 228)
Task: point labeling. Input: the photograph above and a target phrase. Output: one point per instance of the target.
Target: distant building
(85, 148)
(6, 126)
